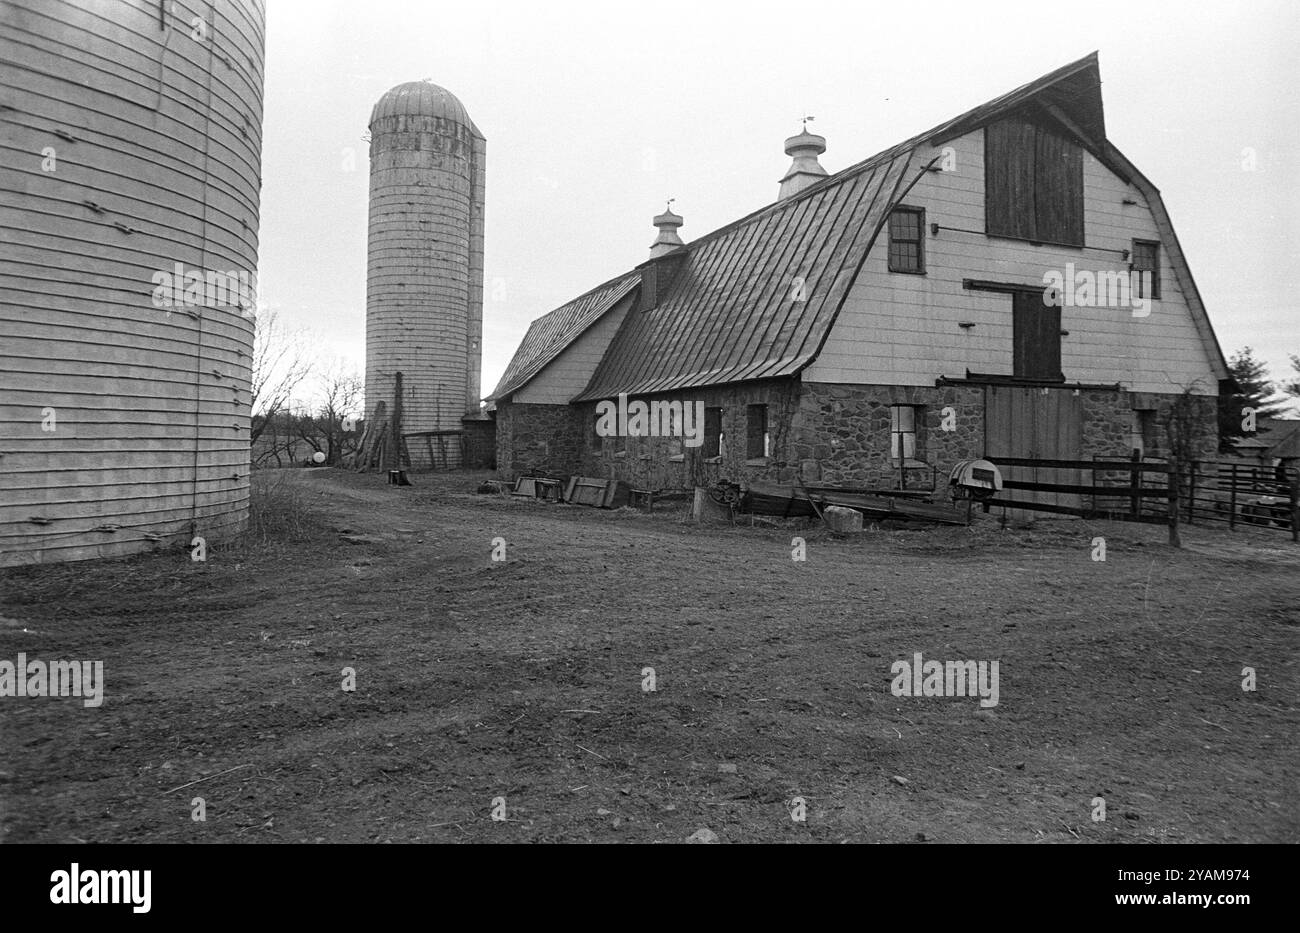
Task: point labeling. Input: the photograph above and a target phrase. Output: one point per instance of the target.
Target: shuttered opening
(1033, 183)
(1036, 337)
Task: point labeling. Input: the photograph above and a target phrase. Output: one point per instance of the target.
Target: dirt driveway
(523, 679)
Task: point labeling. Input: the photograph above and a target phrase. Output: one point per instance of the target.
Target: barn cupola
(805, 170)
(667, 240)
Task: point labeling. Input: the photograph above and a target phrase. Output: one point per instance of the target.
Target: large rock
(842, 520)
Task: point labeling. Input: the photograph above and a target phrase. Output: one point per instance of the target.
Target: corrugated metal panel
(736, 311)
(131, 144)
(550, 334)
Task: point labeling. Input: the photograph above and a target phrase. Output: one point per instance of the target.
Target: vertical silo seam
(203, 265)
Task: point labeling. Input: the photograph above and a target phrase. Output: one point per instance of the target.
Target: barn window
(1033, 183)
(758, 442)
(1146, 258)
(902, 433)
(712, 432)
(1146, 434)
(907, 240)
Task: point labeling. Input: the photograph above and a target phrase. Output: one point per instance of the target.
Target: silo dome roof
(421, 98)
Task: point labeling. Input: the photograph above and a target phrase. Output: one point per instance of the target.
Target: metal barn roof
(550, 334)
(735, 310)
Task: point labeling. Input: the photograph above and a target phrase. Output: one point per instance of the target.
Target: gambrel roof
(757, 298)
(551, 333)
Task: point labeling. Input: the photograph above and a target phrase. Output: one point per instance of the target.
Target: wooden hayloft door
(1037, 423)
(1036, 337)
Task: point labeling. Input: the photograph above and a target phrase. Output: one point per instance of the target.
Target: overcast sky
(596, 113)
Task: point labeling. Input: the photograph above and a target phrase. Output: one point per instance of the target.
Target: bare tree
(280, 363)
(331, 430)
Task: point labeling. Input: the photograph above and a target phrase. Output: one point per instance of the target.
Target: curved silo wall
(131, 139)
(424, 288)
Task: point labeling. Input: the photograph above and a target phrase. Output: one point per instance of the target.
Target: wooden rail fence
(1141, 490)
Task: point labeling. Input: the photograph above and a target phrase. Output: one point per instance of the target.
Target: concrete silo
(424, 287)
(129, 187)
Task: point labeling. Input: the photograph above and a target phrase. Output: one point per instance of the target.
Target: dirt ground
(523, 679)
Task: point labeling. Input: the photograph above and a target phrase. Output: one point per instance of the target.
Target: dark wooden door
(1036, 337)
(1037, 423)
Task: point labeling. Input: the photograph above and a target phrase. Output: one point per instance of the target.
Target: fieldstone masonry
(843, 433)
(821, 433)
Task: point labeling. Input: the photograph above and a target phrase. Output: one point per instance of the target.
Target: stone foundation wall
(1107, 428)
(667, 463)
(841, 435)
(822, 433)
(480, 443)
(530, 436)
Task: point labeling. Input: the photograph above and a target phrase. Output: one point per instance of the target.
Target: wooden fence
(1141, 491)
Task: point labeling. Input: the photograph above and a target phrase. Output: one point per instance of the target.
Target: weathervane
(806, 118)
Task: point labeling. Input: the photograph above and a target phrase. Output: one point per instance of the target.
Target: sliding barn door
(1035, 423)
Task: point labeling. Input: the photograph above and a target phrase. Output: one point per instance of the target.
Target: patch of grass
(278, 512)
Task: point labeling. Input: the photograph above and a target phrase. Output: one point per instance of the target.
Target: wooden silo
(424, 285)
(130, 186)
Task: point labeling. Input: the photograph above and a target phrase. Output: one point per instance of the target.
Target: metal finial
(669, 206)
(806, 119)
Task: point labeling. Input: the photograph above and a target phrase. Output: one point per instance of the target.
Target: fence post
(1134, 484)
(1232, 497)
(1174, 539)
(1295, 502)
(1191, 494)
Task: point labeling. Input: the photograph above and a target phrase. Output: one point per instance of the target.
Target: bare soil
(523, 679)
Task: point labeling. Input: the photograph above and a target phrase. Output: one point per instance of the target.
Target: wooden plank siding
(157, 142)
(903, 329)
(555, 385)
(1034, 423)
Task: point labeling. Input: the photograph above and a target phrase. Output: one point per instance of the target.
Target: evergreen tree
(1254, 390)
(1292, 388)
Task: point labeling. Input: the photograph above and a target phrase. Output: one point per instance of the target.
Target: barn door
(1036, 423)
(1035, 337)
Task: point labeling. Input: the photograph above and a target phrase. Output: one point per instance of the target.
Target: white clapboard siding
(568, 374)
(155, 124)
(903, 329)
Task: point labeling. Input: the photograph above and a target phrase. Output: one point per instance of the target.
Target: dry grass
(278, 510)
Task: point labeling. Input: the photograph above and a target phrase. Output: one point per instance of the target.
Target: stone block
(842, 520)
